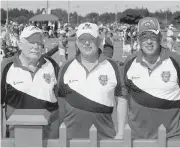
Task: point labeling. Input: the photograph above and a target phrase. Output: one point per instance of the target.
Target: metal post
(116, 14)
(47, 7)
(77, 19)
(77, 14)
(166, 18)
(68, 10)
(7, 17)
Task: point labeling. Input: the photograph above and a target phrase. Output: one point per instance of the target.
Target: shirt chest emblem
(166, 76)
(103, 79)
(47, 77)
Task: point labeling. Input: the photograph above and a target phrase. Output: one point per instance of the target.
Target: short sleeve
(62, 51)
(62, 87)
(120, 89)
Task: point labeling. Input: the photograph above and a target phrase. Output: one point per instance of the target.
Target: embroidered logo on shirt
(15, 83)
(166, 76)
(103, 79)
(47, 77)
(71, 81)
(135, 77)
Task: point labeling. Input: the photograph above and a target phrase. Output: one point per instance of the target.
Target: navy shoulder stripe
(3, 82)
(177, 67)
(55, 65)
(118, 89)
(62, 71)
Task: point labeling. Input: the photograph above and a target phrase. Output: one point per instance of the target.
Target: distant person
(176, 46)
(169, 38)
(63, 46)
(108, 47)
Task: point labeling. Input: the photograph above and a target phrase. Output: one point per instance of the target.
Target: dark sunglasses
(145, 37)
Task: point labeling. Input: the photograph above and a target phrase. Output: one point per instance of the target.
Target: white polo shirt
(158, 85)
(154, 95)
(25, 89)
(92, 90)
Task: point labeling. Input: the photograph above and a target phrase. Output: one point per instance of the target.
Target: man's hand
(60, 64)
(118, 136)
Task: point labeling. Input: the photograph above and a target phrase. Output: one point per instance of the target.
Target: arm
(62, 55)
(121, 99)
(122, 107)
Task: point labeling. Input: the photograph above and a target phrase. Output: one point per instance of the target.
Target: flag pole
(47, 7)
(7, 13)
(68, 10)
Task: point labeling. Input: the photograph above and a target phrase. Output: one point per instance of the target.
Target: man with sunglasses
(90, 84)
(152, 77)
(29, 81)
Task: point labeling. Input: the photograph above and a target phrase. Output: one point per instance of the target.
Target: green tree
(3, 16)
(92, 17)
(130, 16)
(176, 17)
(61, 14)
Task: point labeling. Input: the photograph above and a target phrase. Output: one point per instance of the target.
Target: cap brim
(79, 33)
(154, 31)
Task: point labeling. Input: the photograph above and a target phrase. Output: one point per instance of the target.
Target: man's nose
(87, 42)
(149, 40)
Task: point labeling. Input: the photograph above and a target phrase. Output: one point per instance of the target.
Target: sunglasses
(90, 41)
(144, 37)
(35, 39)
(35, 42)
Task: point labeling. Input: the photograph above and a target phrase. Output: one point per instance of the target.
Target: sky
(84, 7)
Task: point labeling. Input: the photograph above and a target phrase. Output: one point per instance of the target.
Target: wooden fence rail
(28, 133)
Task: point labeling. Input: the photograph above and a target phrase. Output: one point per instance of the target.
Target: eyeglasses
(144, 37)
(35, 42)
(83, 41)
(38, 43)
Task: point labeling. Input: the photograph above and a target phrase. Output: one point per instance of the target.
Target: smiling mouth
(88, 49)
(149, 47)
(34, 52)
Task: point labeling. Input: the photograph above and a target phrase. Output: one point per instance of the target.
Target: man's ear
(76, 44)
(77, 48)
(19, 44)
(160, 36)
(99, 42)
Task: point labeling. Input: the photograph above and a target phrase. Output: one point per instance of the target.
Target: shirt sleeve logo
(166, 76)
(47, 77)
(103, 79)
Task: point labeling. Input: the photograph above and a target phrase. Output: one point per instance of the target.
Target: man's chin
(34, 57)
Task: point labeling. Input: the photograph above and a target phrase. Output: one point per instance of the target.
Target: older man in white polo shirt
(29, 80)
(90, 83)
